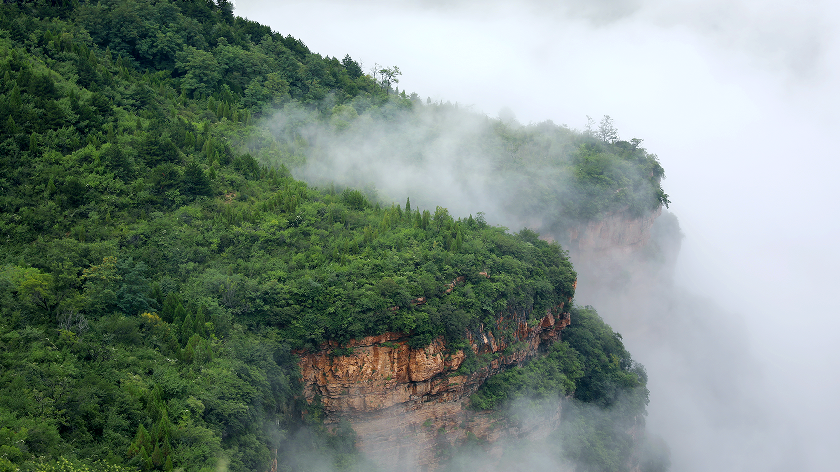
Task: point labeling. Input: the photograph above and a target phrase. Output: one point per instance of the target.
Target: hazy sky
(739, 99)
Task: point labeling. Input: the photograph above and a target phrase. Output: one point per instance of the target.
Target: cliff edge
(407, 404)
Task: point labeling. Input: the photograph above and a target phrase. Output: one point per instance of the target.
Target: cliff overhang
(383, 371)
(404, 403)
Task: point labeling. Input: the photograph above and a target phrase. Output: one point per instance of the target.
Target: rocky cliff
(617, 235)
(624, 256)
(609, 252)
(408, 404)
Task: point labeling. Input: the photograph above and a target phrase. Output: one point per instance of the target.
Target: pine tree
(187, 328)
(141, 440)
(179, 314)
(146, 460)
(11, 126)
(200, 320)
(51, 189)
(157, 457)
(195, 181)
(170, 305)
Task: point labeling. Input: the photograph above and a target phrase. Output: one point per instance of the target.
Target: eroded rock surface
(405, 403)
(615, 235)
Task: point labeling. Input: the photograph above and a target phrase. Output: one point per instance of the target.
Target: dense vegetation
(156, 276)
(593, 368)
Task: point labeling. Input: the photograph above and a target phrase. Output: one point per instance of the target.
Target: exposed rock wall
(406, 403)
(609, 252)
(618, 234)
(417, 437)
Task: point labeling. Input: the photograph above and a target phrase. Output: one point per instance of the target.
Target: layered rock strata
(407, 404)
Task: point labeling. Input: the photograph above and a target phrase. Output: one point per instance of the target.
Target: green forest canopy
(155, 277)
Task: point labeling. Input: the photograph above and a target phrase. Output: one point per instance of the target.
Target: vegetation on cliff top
(156, 276)
(538, 174)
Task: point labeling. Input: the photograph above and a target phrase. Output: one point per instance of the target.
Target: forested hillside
(158, 268)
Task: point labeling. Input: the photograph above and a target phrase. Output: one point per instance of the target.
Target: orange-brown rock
(390, 391)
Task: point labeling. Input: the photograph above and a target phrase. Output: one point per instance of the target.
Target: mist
(739, 101)
(438, 154)
(429, 154)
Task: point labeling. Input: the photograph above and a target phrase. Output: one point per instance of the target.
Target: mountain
(165, 276)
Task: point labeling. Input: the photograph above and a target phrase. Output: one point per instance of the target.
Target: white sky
(739, 100)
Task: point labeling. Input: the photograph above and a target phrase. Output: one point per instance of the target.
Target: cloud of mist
(585, 437)
(426, 155)
(314, 448)
(776, 34)
(709, 391)
(436, 155)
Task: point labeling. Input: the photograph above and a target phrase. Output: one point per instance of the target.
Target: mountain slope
(156, 276)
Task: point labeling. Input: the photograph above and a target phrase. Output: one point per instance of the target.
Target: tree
(202, 71)
(117, 161)
(606, 130)
(277, 87)
(101, 283)
(195, 181)
(132, 296)
(35, 287)
(590, 124)
(352, 67)
(226, 9)
(389, 76)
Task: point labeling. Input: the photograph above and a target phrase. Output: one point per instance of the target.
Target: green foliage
(545, 172)
(610, 371)
(354, 199)
(66, 465)
(156, 275)
(607, 390)
(549, 377)
(589, 175)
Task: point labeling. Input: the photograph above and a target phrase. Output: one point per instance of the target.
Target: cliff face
(609, 253)
(406, 403)
(624, 258)
(617, 235)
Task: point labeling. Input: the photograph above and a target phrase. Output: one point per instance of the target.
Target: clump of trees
(605, 394)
